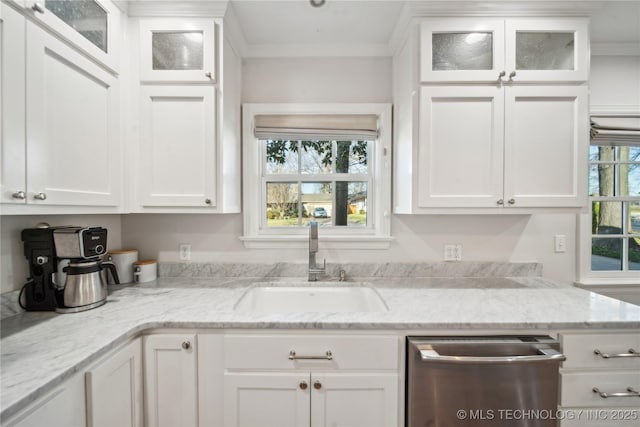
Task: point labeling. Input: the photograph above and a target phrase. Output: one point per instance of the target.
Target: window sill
(608, 282)
(326, 242)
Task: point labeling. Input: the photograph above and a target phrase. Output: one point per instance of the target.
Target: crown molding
(233, 31)
(172, 8)
(506, 8)
(615, 49)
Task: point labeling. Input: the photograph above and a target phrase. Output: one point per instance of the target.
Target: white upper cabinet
(479, 147)
(73, 155)
(185, 121)
(460, 155)
(93, 26)
(504, 50)
(61, 133)
(178, 150)
(178, 50)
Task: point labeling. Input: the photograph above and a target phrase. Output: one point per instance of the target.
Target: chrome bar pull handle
(20, 195)
(327, 356)
(631, 392)
(37, 7)
(630, 353)
(429, 354)
(40, 196)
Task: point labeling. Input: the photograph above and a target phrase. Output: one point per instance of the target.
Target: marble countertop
(40, 350)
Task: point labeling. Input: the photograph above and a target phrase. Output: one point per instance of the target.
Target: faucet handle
(319, 270)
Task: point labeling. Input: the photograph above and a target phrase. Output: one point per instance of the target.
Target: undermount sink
(315, 299)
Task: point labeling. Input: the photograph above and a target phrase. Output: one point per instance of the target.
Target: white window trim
(376, 237)
(586, 276)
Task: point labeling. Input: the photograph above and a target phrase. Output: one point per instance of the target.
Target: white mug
(145, 271)
(123, 259)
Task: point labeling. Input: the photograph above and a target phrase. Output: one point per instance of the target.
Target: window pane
(634, 217)
(356, 204)
(544, 51)
(462, 51)
(317, 202)
(630, 179)
(605, 180)
(606, 254)
(84, 16)
(316, 157)
(180, 50)
(282, 157)
(634, 253)
(607, 217)
(351, 156)
(282, 204)
(594, 153)
(594, 180)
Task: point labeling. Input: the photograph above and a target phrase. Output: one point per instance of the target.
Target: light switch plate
(560, 243)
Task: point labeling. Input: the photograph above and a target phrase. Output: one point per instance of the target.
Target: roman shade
(615, 130)
(316, 126)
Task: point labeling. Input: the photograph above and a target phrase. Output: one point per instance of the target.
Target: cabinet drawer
(580, 350)
(577, 388)
(275, 352)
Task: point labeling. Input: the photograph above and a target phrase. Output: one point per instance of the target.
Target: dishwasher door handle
(430, 355)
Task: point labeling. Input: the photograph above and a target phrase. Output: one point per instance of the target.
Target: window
(612, 228)
(323, 163)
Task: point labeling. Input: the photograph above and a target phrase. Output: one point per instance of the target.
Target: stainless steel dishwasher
(482, 381)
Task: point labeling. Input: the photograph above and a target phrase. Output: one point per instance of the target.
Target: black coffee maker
(46, 250)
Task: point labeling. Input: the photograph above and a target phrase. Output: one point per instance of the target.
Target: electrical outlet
(453, 252)
(560, 243)
(185, 252)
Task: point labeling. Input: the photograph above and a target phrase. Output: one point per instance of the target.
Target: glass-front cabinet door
(504, 50)
(91, 25)
(178, 50)
(547, 49)
(461, 49)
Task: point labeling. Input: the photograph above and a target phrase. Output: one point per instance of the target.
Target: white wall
(615, 80)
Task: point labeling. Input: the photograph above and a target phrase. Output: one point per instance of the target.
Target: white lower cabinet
(600, 380)
(114, 389)
(62, 407)
(170, 380)
(267, 399)
(108, 394)
(301, 381)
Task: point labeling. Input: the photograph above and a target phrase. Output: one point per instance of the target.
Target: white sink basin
(298, 299)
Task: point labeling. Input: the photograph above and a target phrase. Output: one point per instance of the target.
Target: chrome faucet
(314, 270)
